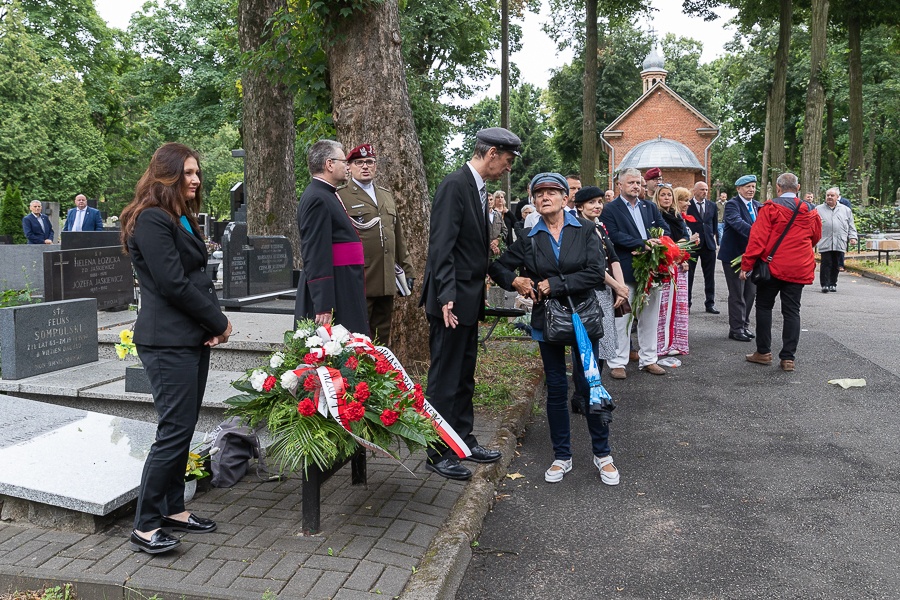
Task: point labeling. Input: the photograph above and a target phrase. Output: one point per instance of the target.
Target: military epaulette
(340, 187)
(383, 188)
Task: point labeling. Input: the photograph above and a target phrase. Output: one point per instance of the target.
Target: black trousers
(451, 379)
(381, 308)
(829, 268)
(740, 299)
(790, 311)
(707, 259)
(178, 380)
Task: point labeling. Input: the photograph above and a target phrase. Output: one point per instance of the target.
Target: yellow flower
(121, 351)
(126, 336)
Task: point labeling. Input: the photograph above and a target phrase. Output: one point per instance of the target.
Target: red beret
(361, 151)
(653, 173)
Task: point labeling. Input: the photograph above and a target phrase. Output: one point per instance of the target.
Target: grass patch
(52, 593)
(892, 270)
(505, 371)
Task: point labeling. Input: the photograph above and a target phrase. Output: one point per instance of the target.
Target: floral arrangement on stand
(326, 392)
(656, 266)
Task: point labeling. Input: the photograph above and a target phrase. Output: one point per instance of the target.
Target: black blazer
(707, 226)
(31, 226)
(624, 233)
(457, 250)
(179, 306)
(736, 233)
(579, 272)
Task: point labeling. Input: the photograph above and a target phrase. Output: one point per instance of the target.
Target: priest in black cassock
(333, 276)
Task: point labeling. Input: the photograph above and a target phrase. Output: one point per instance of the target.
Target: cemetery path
(738, 480)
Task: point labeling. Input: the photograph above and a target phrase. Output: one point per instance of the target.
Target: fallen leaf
(848, 383)
(515, 475)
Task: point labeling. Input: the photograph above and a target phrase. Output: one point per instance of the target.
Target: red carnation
(269, 383)
(307, 408)
(310, 359)
(382, 367)
(351, 363)
(362, 393)
(310, 383)
(355, 411)
(419, 403)
(402, 385)
(389, 417)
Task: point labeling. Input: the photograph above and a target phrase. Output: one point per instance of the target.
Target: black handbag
(761, 272)
(558, 327)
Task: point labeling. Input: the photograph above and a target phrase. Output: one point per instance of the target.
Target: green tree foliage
(11, 212)
(218, 201)
(48, 143)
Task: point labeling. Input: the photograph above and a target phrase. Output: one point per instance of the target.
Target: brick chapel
(661, 129)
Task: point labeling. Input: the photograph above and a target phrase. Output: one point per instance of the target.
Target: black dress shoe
(713, 310)
(194, 524)
(449, 468)
(159, 542)
(748, 333)
(483, 455)
(739, 336)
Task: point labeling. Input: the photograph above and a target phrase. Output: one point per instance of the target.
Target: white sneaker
(557, 470)
(605, 476)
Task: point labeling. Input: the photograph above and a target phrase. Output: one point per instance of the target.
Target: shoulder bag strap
(784, 233)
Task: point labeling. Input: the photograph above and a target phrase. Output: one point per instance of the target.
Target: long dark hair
(162, 186)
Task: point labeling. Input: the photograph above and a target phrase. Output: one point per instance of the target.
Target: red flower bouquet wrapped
(655, 267)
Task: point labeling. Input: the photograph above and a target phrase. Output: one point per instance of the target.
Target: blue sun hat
(549, 180)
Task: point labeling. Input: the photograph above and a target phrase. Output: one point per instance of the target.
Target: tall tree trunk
(504, 80)
(829, 137)
(371, 105)
(776, 99)
(269, 134)
(589, 123)
(867, 168)
(879, 162)
(811, 163)
(857, 129)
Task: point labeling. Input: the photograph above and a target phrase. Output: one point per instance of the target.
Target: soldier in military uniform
(374, 214)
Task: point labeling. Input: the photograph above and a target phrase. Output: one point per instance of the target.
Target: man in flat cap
(740, 214)
(453, 291)
(374, 214)
(332, 281)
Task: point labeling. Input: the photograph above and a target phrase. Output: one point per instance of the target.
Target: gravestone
(255, 265)
(74, 240)
(40, 338)
(101, 273)
(22, 266)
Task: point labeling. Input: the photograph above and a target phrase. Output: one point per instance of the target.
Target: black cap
(587, 193)
(501, 139)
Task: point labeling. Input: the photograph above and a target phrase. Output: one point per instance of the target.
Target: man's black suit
(457, 265)
(179, 312)
(707, 225)
(624, 233)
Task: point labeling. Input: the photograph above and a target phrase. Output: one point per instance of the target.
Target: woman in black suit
(179, 321)
(559, 257)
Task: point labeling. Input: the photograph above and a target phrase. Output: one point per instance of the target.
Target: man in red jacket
(793, 265)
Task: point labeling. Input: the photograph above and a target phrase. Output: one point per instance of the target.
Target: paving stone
(113, 560)
(399, 530)
(262, 564)
(422, 535)
(151, 573)
(420, 517)
(331, 563)
(244, 535)
(358, 547)
(204, 571)
(79, 565)
(20, 536)
(285, 568)
(387, 557)
(327, 586)
(14, 555)
(301, 583)
(234, 553)
(390, 509)
(266, 539)
(57, 563)
(193, 554)
(61, 537)
(362, 530)
(400, 548)
(255, 584)
(425, 495)
(364, 576)
(392, 581)
(41, 555)
(428, 509)
(348, 594)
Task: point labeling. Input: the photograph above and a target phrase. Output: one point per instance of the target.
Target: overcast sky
(539, 53)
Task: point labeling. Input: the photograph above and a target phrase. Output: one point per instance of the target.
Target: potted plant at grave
(136, 380)
(326, 392)
(196, 469)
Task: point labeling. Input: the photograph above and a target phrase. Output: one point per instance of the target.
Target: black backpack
(231, 446)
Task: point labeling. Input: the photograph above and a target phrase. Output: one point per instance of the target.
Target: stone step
(68, 468)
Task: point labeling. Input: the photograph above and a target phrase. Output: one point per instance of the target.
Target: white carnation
(257, 378)
(362, 336)
(340, 334)
(313, 341)
(333, 348)
(277, 360)
(301, 333)
(289, 380)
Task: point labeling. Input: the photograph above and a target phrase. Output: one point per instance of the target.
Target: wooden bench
(884, 247)
(497, 313)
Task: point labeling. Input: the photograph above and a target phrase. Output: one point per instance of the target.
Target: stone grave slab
(236, 280)
(71, 382)
(76, 240)
(22, 266)
(101, 273)
(271, 264)
(40, 338)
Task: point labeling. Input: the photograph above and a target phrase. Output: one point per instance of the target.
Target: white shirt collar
(479, 180)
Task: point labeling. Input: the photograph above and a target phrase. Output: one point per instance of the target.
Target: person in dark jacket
(36, 226)
(793, 266)
(559, 257)
(179, 321)
(740, 214)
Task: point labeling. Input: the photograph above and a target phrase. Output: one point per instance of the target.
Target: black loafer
(713, 310)
(748, 333)
(194, 524)
(159, 542)
(483, 455)
(740, 336)
(449, 468)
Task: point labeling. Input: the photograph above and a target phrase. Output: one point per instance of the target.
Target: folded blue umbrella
(599, 398)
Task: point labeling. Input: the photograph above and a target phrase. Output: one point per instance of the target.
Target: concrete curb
(447, 558)
(871, 275)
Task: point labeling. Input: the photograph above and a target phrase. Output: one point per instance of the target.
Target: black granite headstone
(73, 240)
(40, 338)
(101, 273)
(271, 264)
(235, 277)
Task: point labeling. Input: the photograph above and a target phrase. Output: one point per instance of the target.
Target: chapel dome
(662, 153)
(653, 60)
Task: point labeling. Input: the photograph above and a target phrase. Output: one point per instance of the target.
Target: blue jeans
(554, 358)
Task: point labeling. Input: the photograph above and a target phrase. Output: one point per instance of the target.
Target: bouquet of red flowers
(656, 266)
(328, 390)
